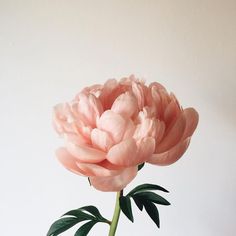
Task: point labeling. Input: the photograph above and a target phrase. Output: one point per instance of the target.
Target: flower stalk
(116, 215)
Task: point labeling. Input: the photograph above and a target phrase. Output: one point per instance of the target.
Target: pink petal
(173, 135)
(85, 153)
(101, 139)
(170, 156)
(160, 131)
(114, 124)
(97, 170)
(111, 90)
(62, 118)
(108, 165)
(191, 117)
(138, 91)
(146, 148)
(68, 161)
(148, 127)
(77, 138)
(89, 108)
(129, 129)
(172, 111)
(124, 153)
(125, 105)
(114, 183)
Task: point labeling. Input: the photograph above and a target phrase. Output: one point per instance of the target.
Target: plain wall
(50, 50)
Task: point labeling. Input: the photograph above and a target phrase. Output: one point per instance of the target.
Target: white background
(50, 50)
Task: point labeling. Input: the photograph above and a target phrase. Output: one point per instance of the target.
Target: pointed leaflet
(153, 197)
(138, 203)
(145, 187)
(140, 166)
(94, 211)
(84, 229)
(125, 205)
(62, 225)
(152, 211)
(78, 213)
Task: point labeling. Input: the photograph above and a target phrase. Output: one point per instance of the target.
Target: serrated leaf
(138, 202)
(62, 225)
(141, 166)
(84, 229)
(153, 197)
(145, 187)
(125, 205)
(152, 211)
(78, 213)
(94, 211)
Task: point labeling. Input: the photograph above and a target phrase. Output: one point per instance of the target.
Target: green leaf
(138, 203)
(62, 225)
(84, 229)
(145, 187)
(94, 211)
(78, 213)
(152, 211)
(141, 166)
(91, 209)
(153, 197)
(125, 205)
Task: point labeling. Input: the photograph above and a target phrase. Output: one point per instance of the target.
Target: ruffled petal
(123, 153)
(63, 118)
(173, 135)
(89, 108)
(96, 170)
(171, 112)
(114, 183)
(85, 153)
(114, 124)
(68, 161)
(148, 128)
(146, 148)
(77, 138)
(101, 139)
(138, 90)
(170, 156)
(191, 117)
(125, 105)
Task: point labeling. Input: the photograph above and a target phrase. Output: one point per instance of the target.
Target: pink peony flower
(110, 129)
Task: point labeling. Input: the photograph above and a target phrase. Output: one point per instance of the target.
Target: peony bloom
(110, 129)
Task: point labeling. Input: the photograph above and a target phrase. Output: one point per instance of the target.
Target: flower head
(110, 129)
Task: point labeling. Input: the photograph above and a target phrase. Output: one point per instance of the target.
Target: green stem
(116, 215)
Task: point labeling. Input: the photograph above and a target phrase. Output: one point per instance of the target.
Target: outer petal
(111, 90)
(96, 170)
(146, 148)
(138, 90)
(101, 139)
(124, 153)
(170, 156)
(114, 124)
(89, 108)
(77, 138)
(62, 118)
(191, 117)
(114, 183)
(172, 111)
(125, 105)
(173, 135)
(68, 161)
(85, 153)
